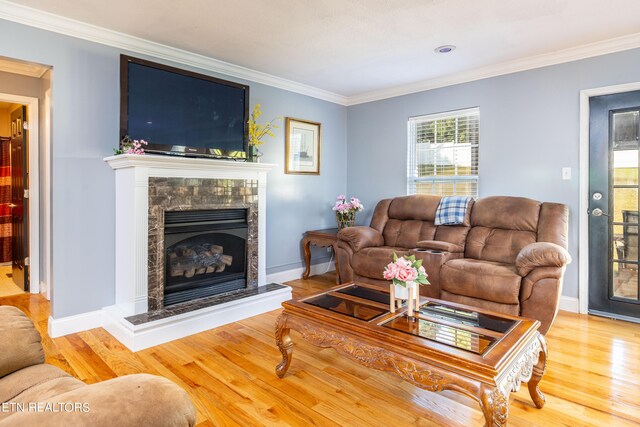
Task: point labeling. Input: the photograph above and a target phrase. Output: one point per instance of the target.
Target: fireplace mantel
(197, 165)
(132, 173)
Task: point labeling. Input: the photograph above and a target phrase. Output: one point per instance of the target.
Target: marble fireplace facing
(190, 247)
(196, 227)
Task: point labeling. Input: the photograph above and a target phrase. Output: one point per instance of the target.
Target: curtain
(5, 200)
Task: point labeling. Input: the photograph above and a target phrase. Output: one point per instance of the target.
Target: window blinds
(443, 153)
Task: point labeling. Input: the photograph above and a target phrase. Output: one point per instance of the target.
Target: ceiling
(355, 47)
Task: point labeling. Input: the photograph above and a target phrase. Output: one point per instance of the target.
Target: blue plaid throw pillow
(452, 210)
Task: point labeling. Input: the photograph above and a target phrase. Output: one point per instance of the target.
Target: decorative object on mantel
(346, 212)
(302, 147)
(257, 132)
(406, 274)
(130, 146)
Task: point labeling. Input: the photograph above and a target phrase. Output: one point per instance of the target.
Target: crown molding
(566, 55)
(71, 27)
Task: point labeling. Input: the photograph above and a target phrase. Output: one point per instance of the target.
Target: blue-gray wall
(85, 101)
(529, 131)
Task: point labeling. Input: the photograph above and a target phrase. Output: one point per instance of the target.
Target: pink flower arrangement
(341, 206)
(404, 270)
(131, 146)
(346, 211)
(136, 147)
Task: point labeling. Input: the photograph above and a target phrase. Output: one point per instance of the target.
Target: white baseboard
(72, 324)
(569, 304)
(296, 273)
(139, 337)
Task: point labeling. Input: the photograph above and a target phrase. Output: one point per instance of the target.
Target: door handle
(598, 212)
(11, 205)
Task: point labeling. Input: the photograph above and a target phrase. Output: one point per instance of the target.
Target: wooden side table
(321, 238)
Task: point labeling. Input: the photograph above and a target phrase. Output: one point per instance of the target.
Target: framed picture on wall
(302, 147)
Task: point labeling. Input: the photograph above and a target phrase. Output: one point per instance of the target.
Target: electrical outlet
(328, 248)
(566, 173)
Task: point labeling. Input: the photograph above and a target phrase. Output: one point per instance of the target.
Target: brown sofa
(509, 255)
(33, 393)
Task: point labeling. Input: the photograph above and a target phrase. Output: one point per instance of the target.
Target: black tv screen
(181, 112)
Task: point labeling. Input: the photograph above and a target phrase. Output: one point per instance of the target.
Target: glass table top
(466, 317)
(445, 334)
(462, 328)
(366, 293)
(346, 307)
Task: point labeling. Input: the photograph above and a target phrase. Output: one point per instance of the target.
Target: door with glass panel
(614, 131)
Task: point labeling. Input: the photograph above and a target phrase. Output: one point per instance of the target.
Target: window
(443, 153)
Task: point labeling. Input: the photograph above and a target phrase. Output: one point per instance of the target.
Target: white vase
(401, 292)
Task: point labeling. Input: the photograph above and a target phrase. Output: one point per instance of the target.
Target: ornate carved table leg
(495, 407)
(307, 257)
(283, 341)
(538, 371)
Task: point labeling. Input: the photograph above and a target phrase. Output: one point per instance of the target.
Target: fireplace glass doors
(205, 253)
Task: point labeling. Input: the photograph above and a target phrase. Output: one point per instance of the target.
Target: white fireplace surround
(132, 173)
(132, 207)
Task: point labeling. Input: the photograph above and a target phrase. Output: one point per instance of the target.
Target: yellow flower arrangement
(258, 131)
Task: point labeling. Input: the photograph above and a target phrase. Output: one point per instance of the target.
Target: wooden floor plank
(593, 375)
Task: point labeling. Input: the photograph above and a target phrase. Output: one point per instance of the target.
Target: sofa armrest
(438, 245)
(541, 254)
(128, 401)
(20, 341)
(360, 237)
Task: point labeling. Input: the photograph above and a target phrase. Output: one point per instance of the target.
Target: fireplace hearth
(205, 253)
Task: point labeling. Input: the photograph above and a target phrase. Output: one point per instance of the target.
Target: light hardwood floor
(7, 287)
(592, 379)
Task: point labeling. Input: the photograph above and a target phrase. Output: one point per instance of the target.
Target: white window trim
(412, 177)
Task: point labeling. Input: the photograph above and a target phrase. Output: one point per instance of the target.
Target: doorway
(614, 166)
(29, 84)
(14, 271)
(27, 248)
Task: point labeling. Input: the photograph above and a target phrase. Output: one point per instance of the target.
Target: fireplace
(205, 253)
(156, 192)
(202, 240)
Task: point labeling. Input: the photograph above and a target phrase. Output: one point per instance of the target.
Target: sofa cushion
(370, 262)
(421, 207)
(494, 244)
(20, 341)
(20, 381)
(512, 309)
(507, 213)
(406, 233)
(485, 280)
(128, 401)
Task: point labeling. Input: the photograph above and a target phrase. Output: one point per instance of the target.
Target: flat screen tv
(181, 112)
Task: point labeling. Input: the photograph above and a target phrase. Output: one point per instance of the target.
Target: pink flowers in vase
(130, 146)
(346, 211)
(404, 270)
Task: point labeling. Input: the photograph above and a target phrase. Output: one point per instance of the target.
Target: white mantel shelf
(122, 161)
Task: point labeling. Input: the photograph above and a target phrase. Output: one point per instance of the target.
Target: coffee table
(447, 346)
